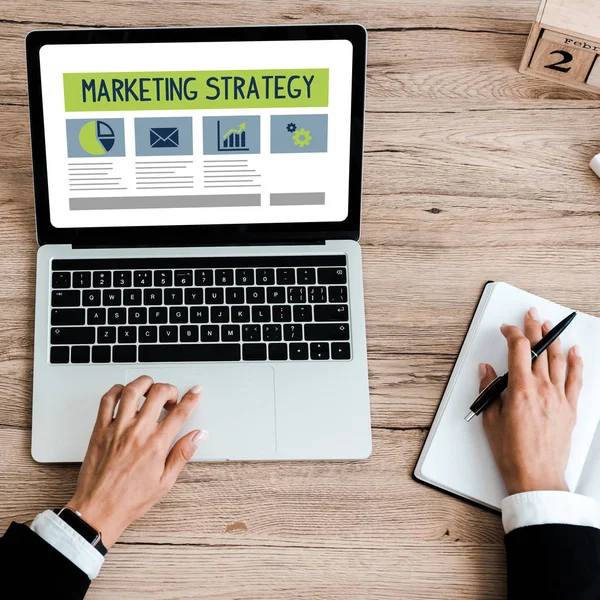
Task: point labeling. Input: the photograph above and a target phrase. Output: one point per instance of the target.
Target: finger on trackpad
(237, 408)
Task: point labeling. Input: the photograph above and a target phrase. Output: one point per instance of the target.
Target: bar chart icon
(231, 134)
(233, 139)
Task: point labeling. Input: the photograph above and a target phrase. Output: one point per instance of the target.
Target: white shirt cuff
(50, 527)
(542, 508)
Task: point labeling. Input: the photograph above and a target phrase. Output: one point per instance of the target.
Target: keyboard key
(111, 297)
(100, 279)
(157, 315)
(167, 333)
(127, 335)
(282, 314)
(261, 314)
(124, 354)
(244, 276)
(67, 316)
(194, 296)
(82, 279)
(61, 280)
(90, 297)
(299, 351)
(80, 354)
(292, 333)
(59, 355)
(184, 278)
(178, 314)
(340, 351)
(101, 354)
(142, 278)
(107, 335)
(117, 316)
(137, 316)
(199, 314)
(319, 351)
(96, 316)
(163, 278)
(240, 314)
(72, 335)
(230, 333)
(66, 298)
(234, 295)
(188, 333)
(302, 313)
(153, 297)
(317, 294)
(306, 276)
(331, 312)
(327, 332)
(331, 275)
(173, 296)
(255, 295)
(286, 277)
(121, 279)
(209, 333)
(272, 333)
(296, 295)
(148, 334)
(278, 351)
(204, 277)
(189, 352)
(338, 294)
(219, 314)
(132, 297)
(251, 333)
(275, 295)
(265, 276)
(254, 351)
(224, 277)
(214, 296)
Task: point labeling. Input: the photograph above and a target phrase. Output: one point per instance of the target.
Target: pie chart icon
(97, 137)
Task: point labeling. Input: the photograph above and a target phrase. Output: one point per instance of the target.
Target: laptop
(198, 199)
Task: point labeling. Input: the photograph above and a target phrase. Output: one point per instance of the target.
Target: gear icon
(291, 127)
(302, 137)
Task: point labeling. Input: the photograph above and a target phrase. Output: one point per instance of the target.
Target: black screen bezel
(197, 235)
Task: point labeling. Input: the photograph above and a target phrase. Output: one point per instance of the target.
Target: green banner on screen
(181, 90)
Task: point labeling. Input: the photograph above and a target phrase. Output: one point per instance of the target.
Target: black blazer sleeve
(31, 565)
(553, 562)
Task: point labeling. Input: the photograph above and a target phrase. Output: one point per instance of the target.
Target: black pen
(492, 391)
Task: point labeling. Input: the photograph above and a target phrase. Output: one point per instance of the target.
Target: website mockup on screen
(197, 133)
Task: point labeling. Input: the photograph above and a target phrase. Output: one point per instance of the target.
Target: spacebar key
(189, 352)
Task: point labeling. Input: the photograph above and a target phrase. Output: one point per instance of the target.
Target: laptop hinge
(83, 246)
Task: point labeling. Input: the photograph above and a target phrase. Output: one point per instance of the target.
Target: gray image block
(297, 199)
(225, 136)
(163, 136)
(95, 138)
(298, 134)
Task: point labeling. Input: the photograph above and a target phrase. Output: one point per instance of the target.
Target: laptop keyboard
(199, 309)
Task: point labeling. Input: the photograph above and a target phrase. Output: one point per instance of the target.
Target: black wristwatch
(74, 519)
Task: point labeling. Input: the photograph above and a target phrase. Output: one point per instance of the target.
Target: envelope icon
(164, 137)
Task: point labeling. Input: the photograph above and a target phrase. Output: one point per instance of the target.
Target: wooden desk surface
(472, 172)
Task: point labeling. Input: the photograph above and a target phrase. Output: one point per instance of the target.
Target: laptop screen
(197, 133)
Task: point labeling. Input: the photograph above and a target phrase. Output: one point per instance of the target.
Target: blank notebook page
(456, 456)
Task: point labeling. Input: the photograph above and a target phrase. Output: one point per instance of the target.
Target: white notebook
(456, 456)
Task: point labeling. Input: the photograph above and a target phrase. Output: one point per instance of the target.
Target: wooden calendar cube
(564, 44)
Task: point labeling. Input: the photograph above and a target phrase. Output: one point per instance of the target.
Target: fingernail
(577, 351)
(196, 389)
(548, 324)
(534, 313)
(482, 370)
(199, 438)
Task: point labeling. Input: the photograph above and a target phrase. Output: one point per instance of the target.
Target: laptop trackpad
(237, 407)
